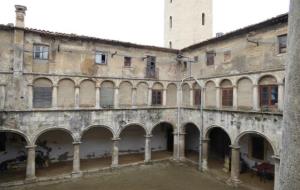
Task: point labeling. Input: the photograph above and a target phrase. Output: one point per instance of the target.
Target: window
(227, 56)
(258, 148)
(151, 70)
(42, 93)
(171, 22)
(100, 58)
(203, 19)
(197, 97)
(196, 59)
(282, 43)
(210, 58)
(185, 65)
(227, 97)
(170, 44)
(268, 95)
(171, 1)
(156, 97)
(41, 52)
(127, 61)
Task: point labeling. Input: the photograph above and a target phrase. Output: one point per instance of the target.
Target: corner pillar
(115, 152)
(276, 159)
(148, 148)
(205, 154)
(235, 166)
(30, 167)
(179, 146)
(280, 97)
(54, 96)
(149, 96)
(76, 159)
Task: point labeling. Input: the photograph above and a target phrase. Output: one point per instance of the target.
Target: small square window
(210, 58)
(196, 59)
(282, 43)
(227, 56)
(41, 52)
(127, 61)
(100, 58)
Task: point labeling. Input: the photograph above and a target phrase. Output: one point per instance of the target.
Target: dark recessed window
(196, 59)
(227, 97)
(227, 56)
(258, 148)
(100, 58)
(268, 95)
(156, 97)
(41, 52)
(171, 21)
(282, 43)
(170, 44)
(210, 58)
(203, 19)
(127, 61)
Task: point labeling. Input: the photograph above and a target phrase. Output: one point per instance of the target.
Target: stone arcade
(75, 104)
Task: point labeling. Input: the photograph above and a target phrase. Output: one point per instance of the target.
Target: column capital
(55, 85)
(77, 86)
(30, 85)
(276, 158)
(148, 136)
(134, 88)
(30, 147)
(206, 140)
(280, 84)
(116, 88)
(2, 84)
(235, 147)
(76, 143)
(116, 139)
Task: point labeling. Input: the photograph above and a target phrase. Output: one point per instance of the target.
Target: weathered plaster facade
(85, 95)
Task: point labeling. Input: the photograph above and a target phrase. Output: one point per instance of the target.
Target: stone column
(164, 97)
(178, 146)
(30, 168)
(116, 98)
(54, 96)
(76, 159)
(77, 98)
(203, 92)
(235, 166)
(205, 154)
(115, 152)
(255, 98)
(290, 162)
(148, 148)
(280, 97)
(191, 97)
(235, 98)
(133, 99)
(149, 96)
(276, 171)
(218, 97)
(30, 96)
(2, 96)
(179, 97)
(97, 106)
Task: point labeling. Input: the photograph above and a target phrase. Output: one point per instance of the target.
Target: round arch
(210, 81)
(243, 77)
(131, 124)
(42, 78)
(224, 81)
(266, 76)
(163, 122)
(40, 133)
(238, 138)
(18, 133)
(183, 126)
(85, 130)
(209, 129)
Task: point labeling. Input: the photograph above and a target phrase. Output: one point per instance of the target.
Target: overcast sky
(137, 21)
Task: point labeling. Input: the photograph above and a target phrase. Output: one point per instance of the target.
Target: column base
(30, 179)
(204, 165)
(233, 182)
(114, 166)
(76, 174)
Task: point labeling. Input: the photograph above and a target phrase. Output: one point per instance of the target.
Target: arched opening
(87, 94)
(171, 95)
(196, 95)
(157, 94)
(125, 94)
(162, 141)
(245, 94)
(210, 95)
(192, 142)
(268, 93)
(107, 93)
(54, 153)
(219, 150)
(132, 144)
(66, 93)
(142, 94)
(256, 162)
(227, 93)
(42, 93)
(186, 95)
(96, 148)
(13, 157)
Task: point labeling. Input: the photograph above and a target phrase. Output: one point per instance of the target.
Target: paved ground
(154, 177)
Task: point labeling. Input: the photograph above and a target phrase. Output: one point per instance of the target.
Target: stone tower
(187, 22)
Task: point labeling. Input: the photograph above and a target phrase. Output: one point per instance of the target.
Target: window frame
(98, 53)
(197, 97)
(40, 52)
(269, 93)
(227, 56)
(228, 100)
(157, 98)
(34, 97)
(127, 61)
(282, 48)
(203, 19)
(210, 58)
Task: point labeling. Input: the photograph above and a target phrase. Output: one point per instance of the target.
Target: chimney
(20, 15)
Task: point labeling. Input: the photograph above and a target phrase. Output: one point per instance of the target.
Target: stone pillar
(203, 92)
(164, 97)
(148, 148)
(54, 96)
(30, 96)
(30, 168)
(218, 97)
(255, 97)
(97, 106)
(115, 152)
(290, 162)
(77, 88)
(205, 154)
(179, 96)
(2, 96)
(20, 15)
(178, 146)
(191, 97)
(235, 166)
(235, 98)
(76, 159)
(280, 97)
(276, 171)
(133, 99)
(116, 98)
(149, 96)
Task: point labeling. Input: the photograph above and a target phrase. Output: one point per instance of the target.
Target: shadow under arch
(18, 133)
(163, 122)
(40, 133)
(191, 141)
(85, 130)
(123, 128)
(210, 128)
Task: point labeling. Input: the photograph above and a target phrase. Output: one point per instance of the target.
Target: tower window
(282, 46)
(171, 1)
(171, 21)
(203, 19)
(170, 44)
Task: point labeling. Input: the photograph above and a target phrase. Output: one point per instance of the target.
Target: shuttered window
(107, 97)
(156, 97)
(227, 97)
(210, 58)
(197, 97)
(282, 43)
(42, 97)
(268, 95)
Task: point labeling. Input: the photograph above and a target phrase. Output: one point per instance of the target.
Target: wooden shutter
(107, 97)
(227, 96)
(42, 97)
(197, 97)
